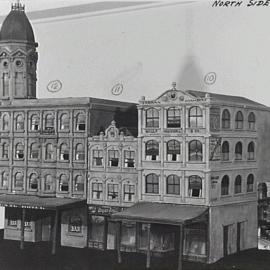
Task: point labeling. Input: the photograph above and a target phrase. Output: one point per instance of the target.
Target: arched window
(48, 183)
(5, 84)
(64, 152)
(173, 184)
(19, 151)
(75, 224)
(5, 180)
(34, 122)
(173, 118)
(195, 151)
(19, 122)
(195, 117)
(225, 182)
(34, 151)
(251, 151)
(5, 122)
(63, 183)
(239, 120)
(152, 118)
(238, 184)
(79, 183)
(226, 119)
(49, 122)
(225, 150)
(49, 154)
(79, 152)
(173, 150)
(238, 151)
(33, 181)
(152, 150)
(64, 122)
(251, 121)
(250, 183)
(5, 150)
(152, 184)
(80, 121)
(262, 190)
(194, 186)
(18, 183)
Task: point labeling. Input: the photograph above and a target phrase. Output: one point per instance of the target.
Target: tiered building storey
(185, 183)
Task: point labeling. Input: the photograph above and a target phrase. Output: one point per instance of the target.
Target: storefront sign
(22, 206)
(104, 210)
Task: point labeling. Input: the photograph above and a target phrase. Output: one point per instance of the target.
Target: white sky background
(147, 49)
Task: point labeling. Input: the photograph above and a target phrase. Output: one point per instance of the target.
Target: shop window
(5, 122)
(152, 118)
(48, 183)
(152, 150)
(49, 122)
(19, 151)
(173, 150)
(34, 151)
(63, 183)
(34, 122)
(251, 151)
(75, 224)
(64, 122)
(5, 83)
(33, 182)
(49, 154)
(195, 186)
(19, 123)
(79, 152)
(5, 147)
(225, 149)
(152, 184)
(173, 184)
(129, 192)
(97, 191)
(97, 157)
(96, 234)
(195, 117)
(113, 190)
(113, 158)
(79, 183)
(129, 157)
(18, 180)
(239, 120)
(238, 151)
(238, 184)
(195, 151)
(173, 118)
(64, 152)
(226, 119)
(80, 122)
(250, 183)
(4, 180)
(225, 182)
(128, 235)
(251, 121)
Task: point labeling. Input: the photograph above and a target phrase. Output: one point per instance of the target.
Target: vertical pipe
(55, 231)
(148, 252)
(118, 239)
(22, 228)
(181, 241)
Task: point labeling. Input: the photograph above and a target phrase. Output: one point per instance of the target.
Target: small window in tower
(5, 64)
(19, 63)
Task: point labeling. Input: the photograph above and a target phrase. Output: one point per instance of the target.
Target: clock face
(117, 89)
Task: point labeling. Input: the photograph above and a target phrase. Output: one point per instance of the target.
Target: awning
(36, 202)
(163, 213)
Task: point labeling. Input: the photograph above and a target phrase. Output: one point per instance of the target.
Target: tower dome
(16, 26)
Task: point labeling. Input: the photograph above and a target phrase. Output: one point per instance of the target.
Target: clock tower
(18, 56)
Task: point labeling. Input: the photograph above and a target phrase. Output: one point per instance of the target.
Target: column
(54, 236)
(22, 228)
(118, 239)
(105, 233)
(148, 252)
(180, 255)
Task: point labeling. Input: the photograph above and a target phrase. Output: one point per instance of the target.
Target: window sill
(19, 131)
(63, 161)
(225, 196)
(196, 198)
(18, 159)
(79, 161)
(63, 130)
(4, 159)
(251, 160)
(151, 194)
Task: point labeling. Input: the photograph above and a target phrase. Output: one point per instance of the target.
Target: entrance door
(240, 235)
(225, 240)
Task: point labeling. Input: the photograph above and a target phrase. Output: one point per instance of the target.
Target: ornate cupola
(18, 56)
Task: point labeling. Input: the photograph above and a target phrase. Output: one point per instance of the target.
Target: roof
(225, 98)
(36, 202)
(164, 213)
(16, 26)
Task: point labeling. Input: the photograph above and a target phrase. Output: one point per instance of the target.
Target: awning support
(148, 252)
(55, 227)
(118, 239)
(22, 228)
(181, 241)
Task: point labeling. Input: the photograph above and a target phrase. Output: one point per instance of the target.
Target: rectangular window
(195, 186)
(18, 83)
(129, 157)
(97, 157)
(129, 193)
(97, 189)
(113, 156)
(5, 85)
(113, 192)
